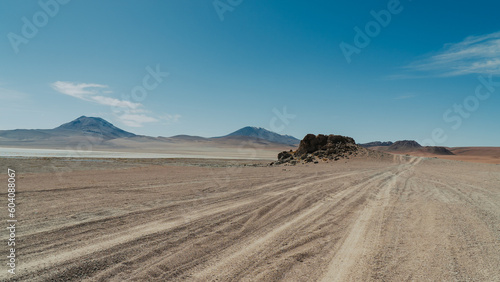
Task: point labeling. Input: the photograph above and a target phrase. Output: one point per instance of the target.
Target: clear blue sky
(230, 66)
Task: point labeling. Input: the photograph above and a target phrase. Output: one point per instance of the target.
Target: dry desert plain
(395, 218)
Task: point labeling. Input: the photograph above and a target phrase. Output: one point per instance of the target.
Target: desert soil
(403, 219)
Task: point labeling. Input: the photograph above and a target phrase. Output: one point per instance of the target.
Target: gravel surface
(399, 219)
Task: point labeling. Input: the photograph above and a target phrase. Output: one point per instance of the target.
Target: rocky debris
(320, 148)
(285, 155)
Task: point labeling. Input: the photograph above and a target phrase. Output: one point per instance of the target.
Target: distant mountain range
(102, 131)
(400, 146)
(96, 134)
(376, 144)
(406, 146)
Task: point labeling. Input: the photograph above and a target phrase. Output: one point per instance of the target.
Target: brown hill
(489, 155)
(436, 150)
(476, 154)
(404, 146)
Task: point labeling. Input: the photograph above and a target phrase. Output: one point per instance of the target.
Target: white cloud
(78, 90)
(474, 55)
(115, 102)
(127, 112)
(134, 120)
(91, 92)
(170, 118)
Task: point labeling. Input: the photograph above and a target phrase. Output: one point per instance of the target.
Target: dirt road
(408, 219)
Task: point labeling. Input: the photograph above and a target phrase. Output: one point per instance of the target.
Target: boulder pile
(317, 148)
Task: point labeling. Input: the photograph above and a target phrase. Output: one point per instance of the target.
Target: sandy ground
(487, 155)
(404, 219)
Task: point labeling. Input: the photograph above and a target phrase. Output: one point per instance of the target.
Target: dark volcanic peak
(94, 126)
(82, 126)
(259, 132)
(377, 144)
(404, 145)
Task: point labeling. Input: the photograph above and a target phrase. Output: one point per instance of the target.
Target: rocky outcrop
(317, 148)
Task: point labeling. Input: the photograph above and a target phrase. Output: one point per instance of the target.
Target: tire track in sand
(121, 237)
(356, 244)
